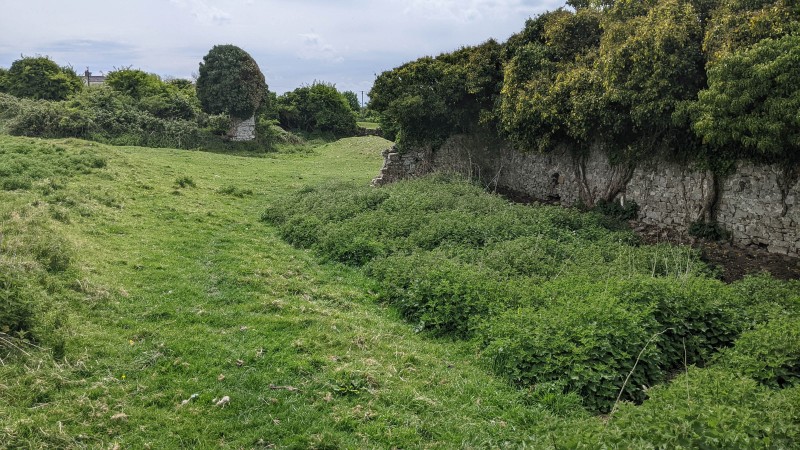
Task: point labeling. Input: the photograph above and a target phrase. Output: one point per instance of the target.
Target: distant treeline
(133, 107)
(713, 80)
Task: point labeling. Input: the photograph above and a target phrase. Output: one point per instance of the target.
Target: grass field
(185, 291)
(172, 316)
(369, 125)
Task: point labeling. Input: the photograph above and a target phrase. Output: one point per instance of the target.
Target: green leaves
(230, 82)
(319, 107)
(752, 100)
(41, 78)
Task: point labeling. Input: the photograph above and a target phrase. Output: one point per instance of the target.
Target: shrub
(700, 315)
(49, 119)
(41, 78)
(134, 83)
(9, 106)
(169, 105)
(769, 354)
(703, 408)
(585, 345)
(765, 298)
(438, 294)
(317, 108)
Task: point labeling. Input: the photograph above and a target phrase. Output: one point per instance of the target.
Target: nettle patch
(555, 299)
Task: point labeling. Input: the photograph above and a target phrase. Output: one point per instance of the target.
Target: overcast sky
(346, 42)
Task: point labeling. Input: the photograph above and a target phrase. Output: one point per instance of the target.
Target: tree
(230, 82)
(737, 24)
(41, 78)
(3, 80)
(135, 83)
(319, 107)
(651, 63)
(352, 100)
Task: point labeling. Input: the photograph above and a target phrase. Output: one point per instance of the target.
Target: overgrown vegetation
(318, 108)
(149, 308)
(134, 107)
(551, 297)
(709, 80)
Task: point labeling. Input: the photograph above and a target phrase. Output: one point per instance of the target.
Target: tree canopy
(697, 77)
(318, 107)
(41, 78)
(230, 82)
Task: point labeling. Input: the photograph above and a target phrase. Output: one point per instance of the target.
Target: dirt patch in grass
(733, 261)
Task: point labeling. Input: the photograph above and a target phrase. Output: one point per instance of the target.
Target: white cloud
(315, 47)
(346, 42)
(203, 12)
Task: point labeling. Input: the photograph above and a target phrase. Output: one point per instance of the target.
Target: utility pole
(362, 99)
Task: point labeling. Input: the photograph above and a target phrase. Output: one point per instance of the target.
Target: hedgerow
(709, 80)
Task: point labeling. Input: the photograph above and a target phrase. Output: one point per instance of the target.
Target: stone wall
(244, 130)
(758, 204)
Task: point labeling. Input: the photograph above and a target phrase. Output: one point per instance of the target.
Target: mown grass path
(198, 327)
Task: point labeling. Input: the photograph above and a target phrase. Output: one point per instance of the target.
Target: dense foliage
(39, 78)
(319, 107)
(132, 107)
(556, 300)
(703, 78)
(230, 82)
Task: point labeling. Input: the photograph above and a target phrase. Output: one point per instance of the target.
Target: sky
(345, 42)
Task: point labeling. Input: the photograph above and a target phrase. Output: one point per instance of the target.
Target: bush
(700, 316)
(9, 106)
(169, 106)
(41, 78)
(317, 108)
(134, 83)
(554, 296)
(765, 298)
(769, 354)
(230, 82)
(703, 408)
(585, 345)
(438, 294)
(50, 120)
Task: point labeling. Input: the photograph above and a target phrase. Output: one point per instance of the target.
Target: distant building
(89, 79)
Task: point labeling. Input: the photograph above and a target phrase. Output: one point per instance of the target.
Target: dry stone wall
(758, 204)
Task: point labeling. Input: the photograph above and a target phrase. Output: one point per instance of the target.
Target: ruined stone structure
(758, 204)
(244, 130)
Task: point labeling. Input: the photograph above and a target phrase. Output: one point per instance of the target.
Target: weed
(184, 182)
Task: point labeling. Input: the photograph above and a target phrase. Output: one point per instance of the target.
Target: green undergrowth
(145, 305)
(554, 300)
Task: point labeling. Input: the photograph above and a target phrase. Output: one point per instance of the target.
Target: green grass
(369, 125)
(185, 291)
(174, 294)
